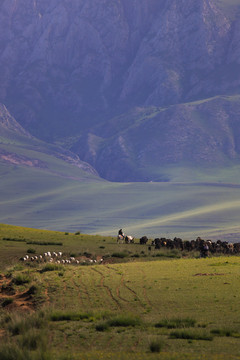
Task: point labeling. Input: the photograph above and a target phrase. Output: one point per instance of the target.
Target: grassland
(32, 197)
(147, 305)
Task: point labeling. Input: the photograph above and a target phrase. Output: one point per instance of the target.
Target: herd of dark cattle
(204, 246)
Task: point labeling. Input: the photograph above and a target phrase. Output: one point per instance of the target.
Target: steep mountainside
(68, 68)
(19, 148)
(146, 140)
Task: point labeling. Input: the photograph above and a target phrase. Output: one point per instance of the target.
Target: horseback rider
(120, 232)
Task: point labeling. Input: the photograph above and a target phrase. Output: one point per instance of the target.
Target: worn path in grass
(206, 290)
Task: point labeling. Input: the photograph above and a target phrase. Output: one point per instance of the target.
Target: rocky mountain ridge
(80, 68)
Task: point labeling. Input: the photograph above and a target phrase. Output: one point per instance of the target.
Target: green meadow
(35, 198)
(156, 304)
(55, 195)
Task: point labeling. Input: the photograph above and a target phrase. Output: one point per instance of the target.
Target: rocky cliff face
(66, 66)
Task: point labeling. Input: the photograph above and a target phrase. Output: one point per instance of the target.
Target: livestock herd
(59, 258)
(204, 246)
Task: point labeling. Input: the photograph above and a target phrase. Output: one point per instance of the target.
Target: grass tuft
(7, 302)
(225, 332)
(120, 255)
(70, 316)
(189, 335)
(21, 279)
(51, 267)
(176, 323)
(156, 346)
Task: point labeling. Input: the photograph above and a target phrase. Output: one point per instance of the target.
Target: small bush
(21, 279)
(155, 346)
(120, 255)
(176, 323)
(18, 325)
(12, 239)
(103, 326)
(87, 254)
(13, 352)
(190, 335)
(51, 267)
(225, 332)
(66, 233)
(7, 302)
(70, 316)
(124, 320)
(78, 233)
(31, 251)
(44, 243)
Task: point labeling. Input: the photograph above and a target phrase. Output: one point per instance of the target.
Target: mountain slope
(19, 148)
(149, 141)
(66, 62)
(68, 68)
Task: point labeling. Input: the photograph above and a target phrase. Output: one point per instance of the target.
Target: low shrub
(32, 340)
(155, 346)
(103, 326)
(21, 279)
(190, 335)
(20, 324)
(70, 316)
(7, 302)
(31, 251)
(176, 323)
(44, 243)
(13, 239)
(225, 332)
(51, 267)
(120, 255)
(124, 320)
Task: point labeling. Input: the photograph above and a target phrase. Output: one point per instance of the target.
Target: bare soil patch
(17, 300)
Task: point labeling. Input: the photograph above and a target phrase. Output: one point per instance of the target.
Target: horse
(120, 238)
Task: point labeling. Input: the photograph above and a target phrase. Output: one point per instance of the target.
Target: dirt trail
(123, 283)
(12, 299)
(109, 291)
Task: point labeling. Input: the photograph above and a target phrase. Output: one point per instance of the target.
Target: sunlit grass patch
(52, 267)
(71, 316)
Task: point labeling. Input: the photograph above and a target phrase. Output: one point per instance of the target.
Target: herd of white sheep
(58, 258)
